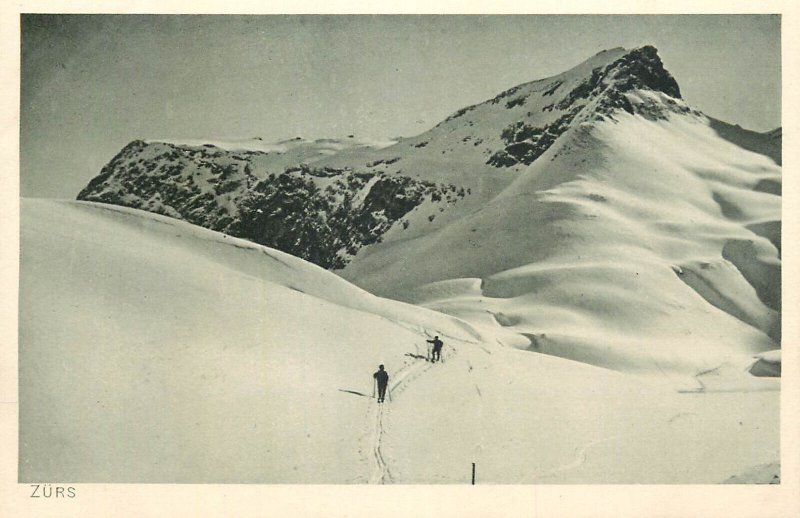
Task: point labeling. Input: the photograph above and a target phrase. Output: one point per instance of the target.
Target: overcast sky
(91, 84)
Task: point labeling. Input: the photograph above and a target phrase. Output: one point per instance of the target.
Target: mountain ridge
(223, 185)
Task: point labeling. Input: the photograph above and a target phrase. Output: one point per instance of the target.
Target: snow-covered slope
(152, 350)
(608, 252)
(640, 239)
(767, 143)
(592, 215)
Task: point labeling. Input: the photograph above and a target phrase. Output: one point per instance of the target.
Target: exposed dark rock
(552, 87)
(460, 112)
(217, 189)
(502, 95)
(607, 86)
(642, 68)
(517, 101)
(525, 143)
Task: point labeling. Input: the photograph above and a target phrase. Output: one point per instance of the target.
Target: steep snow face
(151, 350)
(607, 252)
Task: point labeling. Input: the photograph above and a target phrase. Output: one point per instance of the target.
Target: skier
(382, 377)
(437, 348)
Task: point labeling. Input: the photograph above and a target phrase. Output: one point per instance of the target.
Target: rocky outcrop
(321, 214)
(606, 89)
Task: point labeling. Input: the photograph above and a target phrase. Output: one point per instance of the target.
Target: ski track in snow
(380, 470)
(578, 461)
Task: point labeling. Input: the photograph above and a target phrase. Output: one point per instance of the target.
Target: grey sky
(91, 84)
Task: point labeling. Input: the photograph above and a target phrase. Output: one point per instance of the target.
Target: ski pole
(374, 382)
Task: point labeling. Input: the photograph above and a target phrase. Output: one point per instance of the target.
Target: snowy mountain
(600, 177)
(153, 350)
(602, 260)
(642, 238)
(343, 195)
(605, 249)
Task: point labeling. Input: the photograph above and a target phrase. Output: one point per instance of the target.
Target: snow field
(142, 360)
(528, 418)
(152, 350)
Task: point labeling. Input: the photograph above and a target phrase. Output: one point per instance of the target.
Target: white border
(595, 501)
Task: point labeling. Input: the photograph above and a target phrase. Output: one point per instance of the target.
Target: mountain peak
(613, 81)
(637, 69)
(642, 68)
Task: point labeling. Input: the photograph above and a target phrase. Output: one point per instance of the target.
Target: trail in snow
(580, 458)
(380, 470)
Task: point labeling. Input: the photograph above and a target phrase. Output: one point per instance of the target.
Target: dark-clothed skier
(382, 377)
(437, 348)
